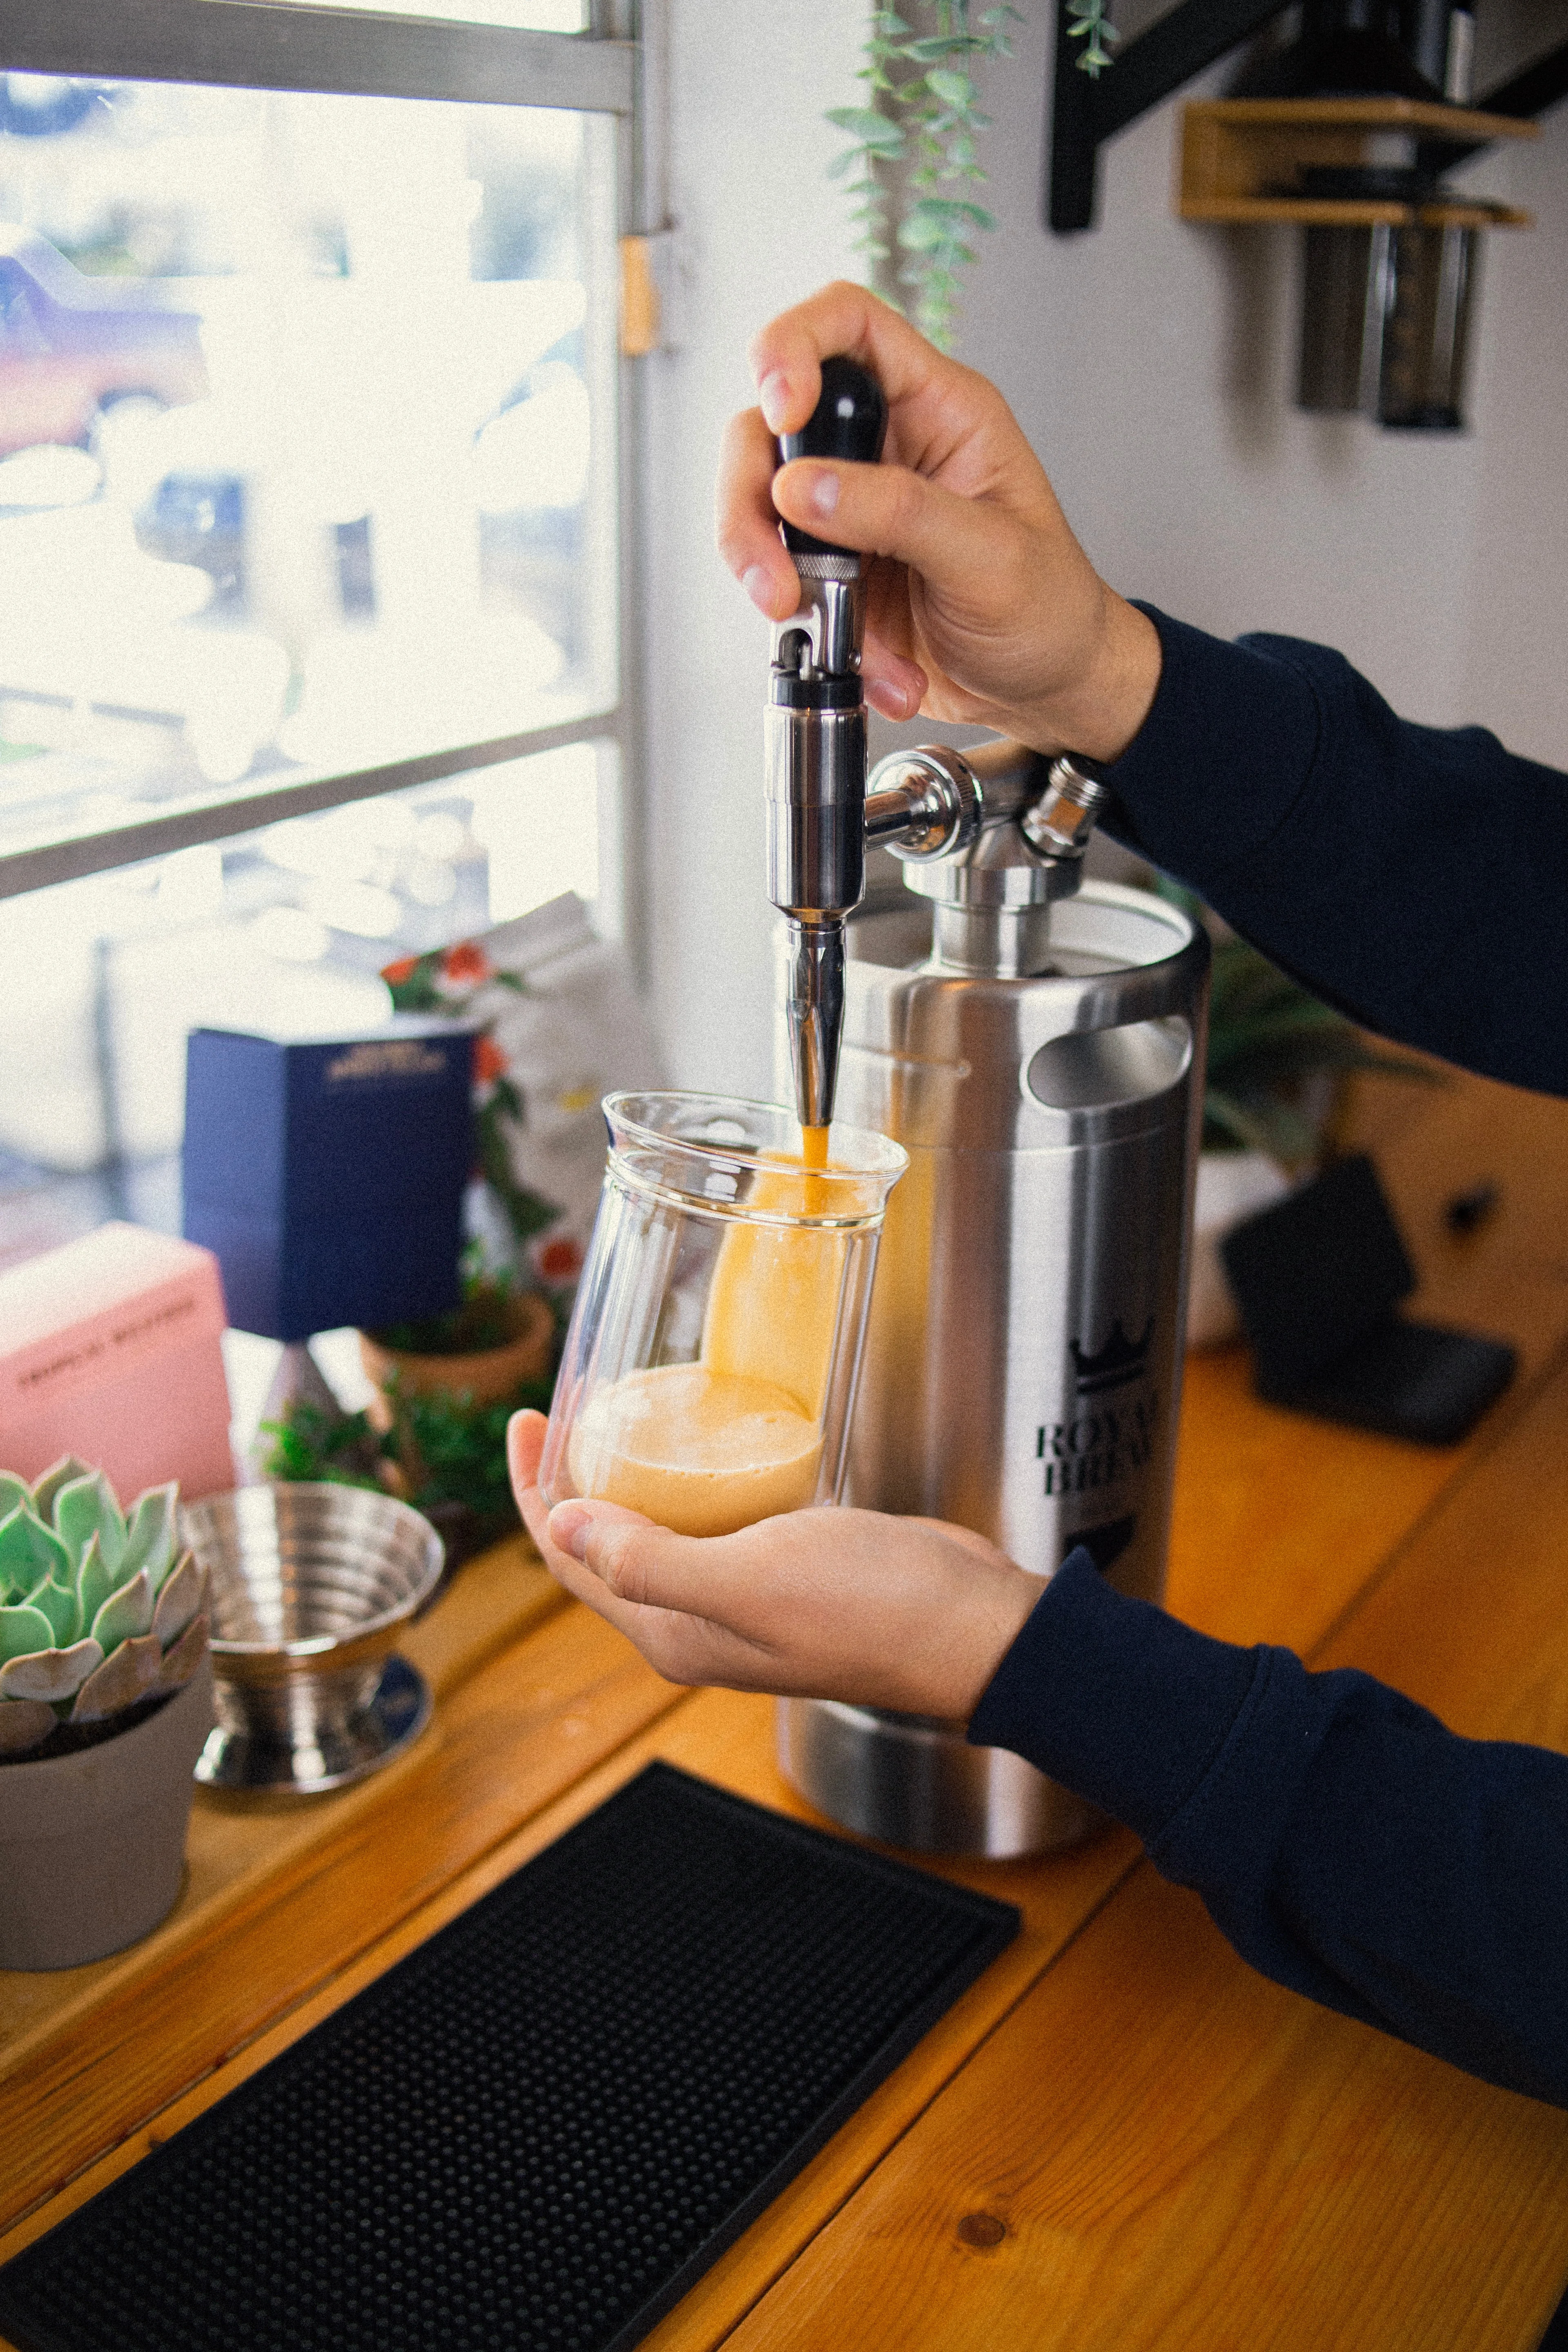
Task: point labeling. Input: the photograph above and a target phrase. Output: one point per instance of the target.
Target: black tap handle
(850, 420)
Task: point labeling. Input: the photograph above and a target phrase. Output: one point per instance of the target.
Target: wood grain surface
(1180, 2154)
(90, 2071)
(1120, 2136)
(236, 1845)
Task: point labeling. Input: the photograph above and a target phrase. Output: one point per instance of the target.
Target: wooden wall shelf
(1238, 153)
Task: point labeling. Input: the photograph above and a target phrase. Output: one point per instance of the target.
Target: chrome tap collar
(1061, 822)
(994, 837)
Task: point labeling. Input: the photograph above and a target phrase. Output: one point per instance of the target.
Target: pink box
(109, 1349)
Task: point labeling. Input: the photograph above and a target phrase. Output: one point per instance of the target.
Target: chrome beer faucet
(1037, 1051)
(816, 748)
(931, 807)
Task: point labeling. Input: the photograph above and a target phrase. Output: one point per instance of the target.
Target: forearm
(1415, 878)
(1347, 1845)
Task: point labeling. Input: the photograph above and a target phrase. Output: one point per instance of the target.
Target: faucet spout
(813, 1009)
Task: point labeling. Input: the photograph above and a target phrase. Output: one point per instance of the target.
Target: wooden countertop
(1121, 2137)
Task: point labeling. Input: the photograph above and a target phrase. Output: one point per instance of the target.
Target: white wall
(760, 225)
(1151, 363)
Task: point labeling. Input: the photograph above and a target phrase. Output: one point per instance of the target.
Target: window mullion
(160, 837)
(356, 52)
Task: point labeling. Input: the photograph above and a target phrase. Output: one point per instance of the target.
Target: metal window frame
(350, 52)
(358, 52)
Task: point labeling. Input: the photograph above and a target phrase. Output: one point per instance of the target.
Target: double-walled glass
(709, 1369)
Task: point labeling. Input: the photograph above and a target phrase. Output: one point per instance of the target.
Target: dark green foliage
(1267, 1038)
(923, 122)
(446, 1450)
(484, 1321)
(457, 1451)
(447, 981)
(310, 1444)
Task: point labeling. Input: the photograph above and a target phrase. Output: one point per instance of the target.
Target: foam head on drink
(709, 1447)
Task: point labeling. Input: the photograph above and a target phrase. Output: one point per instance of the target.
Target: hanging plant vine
(915, 147)
(915, 154)
(1096, 31)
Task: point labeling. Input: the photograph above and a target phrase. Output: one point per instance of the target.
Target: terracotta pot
(485, 1378)
(92, 1846)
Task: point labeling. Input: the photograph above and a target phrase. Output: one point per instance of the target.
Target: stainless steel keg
(1041, 1064)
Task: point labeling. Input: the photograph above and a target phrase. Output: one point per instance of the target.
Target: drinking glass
(709, 1368)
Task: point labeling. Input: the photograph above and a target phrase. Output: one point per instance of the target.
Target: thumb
(637, 1559)
(891, 510)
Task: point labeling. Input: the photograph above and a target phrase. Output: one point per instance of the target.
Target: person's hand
(983, 607)
(906, 1613)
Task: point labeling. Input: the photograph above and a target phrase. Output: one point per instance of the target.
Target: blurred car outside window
(308, 473)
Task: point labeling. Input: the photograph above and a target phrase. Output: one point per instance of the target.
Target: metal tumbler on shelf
(311, 1586)
(1038, 1048)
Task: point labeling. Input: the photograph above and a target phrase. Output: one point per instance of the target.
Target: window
(308, 503)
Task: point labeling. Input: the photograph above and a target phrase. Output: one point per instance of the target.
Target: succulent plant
(98, 1610)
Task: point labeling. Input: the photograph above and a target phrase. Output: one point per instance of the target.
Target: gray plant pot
(92, 1846)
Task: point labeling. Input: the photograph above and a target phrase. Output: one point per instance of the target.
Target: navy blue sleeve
(1415, 878)
(1346, 1843)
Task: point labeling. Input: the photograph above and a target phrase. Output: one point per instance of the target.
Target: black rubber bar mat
(542, 2127)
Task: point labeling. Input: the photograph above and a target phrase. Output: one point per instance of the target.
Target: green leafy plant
(310, 1445)
(485, 1319)
(443, 1453)
(99, 1611)
(455, 1451)
(914, 156)
(1269, 1038)
(1098, 34)
(449, 982)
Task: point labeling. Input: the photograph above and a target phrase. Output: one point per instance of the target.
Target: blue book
(328, 1174)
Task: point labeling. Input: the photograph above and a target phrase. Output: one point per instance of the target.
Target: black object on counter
(542, 2127)
(1317, 1279)
(1468, 1210)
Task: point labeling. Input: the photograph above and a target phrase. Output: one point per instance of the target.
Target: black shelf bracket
(1087, 111)
(1524, 95)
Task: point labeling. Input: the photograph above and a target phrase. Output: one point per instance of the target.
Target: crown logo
(1120, 1360)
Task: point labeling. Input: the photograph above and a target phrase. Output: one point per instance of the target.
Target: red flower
(466, 963)
(395, 974)
(560, 1260)
(489, 1062)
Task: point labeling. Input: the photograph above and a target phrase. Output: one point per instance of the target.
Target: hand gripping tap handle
(849, 420)
(815, 744)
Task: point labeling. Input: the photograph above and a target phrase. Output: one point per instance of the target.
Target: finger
(524, 1451)
(746, 527)
(702, 1576)
(746, 524)
(787, 356)
(570, 1523)
(524, 1447)
(896, 685)
(954, 542)
(608, 1557)
(893, 685)
(684, 1649)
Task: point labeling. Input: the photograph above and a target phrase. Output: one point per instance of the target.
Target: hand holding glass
(710, 1365)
